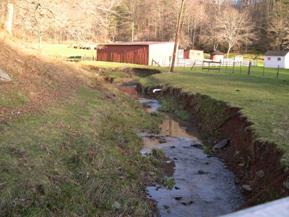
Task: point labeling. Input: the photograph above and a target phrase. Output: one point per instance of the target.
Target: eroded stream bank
(202, 185)
(256, 164)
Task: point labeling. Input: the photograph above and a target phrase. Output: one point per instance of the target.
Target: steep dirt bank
(256, 164)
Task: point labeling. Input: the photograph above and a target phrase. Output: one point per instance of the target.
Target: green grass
(108, 65)
(12, 99)
(63, 51)
(251, 56)
(79, 158)
(256, 71)
(265, 101)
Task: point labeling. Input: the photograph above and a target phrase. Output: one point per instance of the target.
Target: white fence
(224, 63)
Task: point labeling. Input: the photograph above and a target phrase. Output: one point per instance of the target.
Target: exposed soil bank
(256, 164)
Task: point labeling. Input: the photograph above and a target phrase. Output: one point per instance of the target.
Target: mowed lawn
(63, 50)
(264, 101)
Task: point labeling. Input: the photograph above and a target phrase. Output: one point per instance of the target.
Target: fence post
(263, 70)
(278, 71)
(240, 67)
(233, 67)
(249, 68)
(203, 66)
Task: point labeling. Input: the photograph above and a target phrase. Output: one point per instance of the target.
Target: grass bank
(68, 145)
(79, 158)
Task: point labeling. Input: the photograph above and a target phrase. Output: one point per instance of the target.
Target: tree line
(227, 25)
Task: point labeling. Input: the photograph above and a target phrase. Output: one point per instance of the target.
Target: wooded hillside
(225, 24)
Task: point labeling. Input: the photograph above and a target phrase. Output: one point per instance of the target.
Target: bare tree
(233, 28)
(278, 28)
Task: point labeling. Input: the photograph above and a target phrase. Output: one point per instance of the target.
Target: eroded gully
(204, 187)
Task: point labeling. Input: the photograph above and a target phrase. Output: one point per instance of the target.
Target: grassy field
(63, 51)
(78, 158)
(265, 101)
(109, 65)
(256, 71)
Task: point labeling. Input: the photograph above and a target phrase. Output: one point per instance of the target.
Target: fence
(247, 67)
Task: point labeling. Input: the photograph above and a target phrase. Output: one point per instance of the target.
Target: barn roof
(276, 53)
(134, 43)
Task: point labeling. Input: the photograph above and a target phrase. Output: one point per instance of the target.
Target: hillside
(35, 82)
(64, 147)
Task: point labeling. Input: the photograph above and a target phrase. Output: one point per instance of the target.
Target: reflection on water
(172, 128)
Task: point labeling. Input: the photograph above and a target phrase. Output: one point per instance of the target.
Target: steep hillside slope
(36, 81)
(68, 148)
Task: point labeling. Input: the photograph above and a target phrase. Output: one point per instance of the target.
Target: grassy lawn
(78, 158)
(109, 65)
(256, 71)
(265, 101)
(251, 56)
(63, 51)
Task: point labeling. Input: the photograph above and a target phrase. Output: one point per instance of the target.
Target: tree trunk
(229, 50)
(9, 18)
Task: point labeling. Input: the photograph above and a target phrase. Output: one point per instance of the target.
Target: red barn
(144, 53)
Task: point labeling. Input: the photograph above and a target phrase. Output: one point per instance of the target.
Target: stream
(204, 187)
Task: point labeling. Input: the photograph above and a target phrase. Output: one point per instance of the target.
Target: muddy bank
(200, 185)
(256, 164)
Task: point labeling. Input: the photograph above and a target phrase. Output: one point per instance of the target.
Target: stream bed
(204, 187)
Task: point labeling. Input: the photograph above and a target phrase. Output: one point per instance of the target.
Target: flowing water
(204, 187)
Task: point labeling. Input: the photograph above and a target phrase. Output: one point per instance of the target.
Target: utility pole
(179, 24)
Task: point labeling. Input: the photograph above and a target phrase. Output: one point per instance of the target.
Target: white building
(275, 59)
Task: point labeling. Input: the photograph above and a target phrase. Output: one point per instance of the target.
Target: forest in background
(227, 25)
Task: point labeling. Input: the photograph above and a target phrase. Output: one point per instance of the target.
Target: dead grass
(36, 80)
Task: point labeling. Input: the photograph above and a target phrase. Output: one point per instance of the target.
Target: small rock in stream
(201, 172)
(178, 198)
(198, 146)
(177, 188)
(166, 207)
(173, 147)
(222, 144)
(162, 140)
(247, 188)
(188, 203)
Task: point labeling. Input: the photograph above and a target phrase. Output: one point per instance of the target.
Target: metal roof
(134, 43)
(276, 53)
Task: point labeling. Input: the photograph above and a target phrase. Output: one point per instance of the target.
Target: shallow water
(204, 187)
